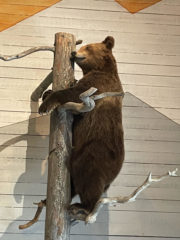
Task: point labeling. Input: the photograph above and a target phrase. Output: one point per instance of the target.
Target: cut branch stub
(79, 42)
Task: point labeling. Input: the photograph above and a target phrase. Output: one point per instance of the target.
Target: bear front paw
(45, 108)
(46, 94)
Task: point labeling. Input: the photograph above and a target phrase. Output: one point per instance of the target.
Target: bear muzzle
(77, 57)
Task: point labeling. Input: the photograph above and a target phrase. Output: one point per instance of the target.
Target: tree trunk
(57, 225)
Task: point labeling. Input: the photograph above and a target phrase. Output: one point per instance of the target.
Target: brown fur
(98, 145)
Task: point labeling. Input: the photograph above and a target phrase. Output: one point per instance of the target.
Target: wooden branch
(41, 204)
(29, 51)
(25, 53)
(91, 218)
(48, 80)
(58, 193)
(60, 144)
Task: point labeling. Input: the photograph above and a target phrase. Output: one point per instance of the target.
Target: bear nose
(73, 54)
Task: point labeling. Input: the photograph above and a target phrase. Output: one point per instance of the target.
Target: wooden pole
(57, 225)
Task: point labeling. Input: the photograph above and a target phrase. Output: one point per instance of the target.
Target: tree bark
(57, 225)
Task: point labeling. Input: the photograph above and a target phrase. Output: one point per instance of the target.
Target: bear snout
(73, 54)
(77, 57)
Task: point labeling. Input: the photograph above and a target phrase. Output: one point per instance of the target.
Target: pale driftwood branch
(25, 53)
(87, 102)
(87, 99)
(107, 94)
(91, 218)
(42, 87)
(29, 51)
(41, 204)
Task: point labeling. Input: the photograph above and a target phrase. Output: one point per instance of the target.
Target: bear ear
(109, 42)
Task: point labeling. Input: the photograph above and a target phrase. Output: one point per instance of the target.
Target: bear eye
(88, 48)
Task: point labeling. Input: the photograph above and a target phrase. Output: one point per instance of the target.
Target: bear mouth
(79, 57)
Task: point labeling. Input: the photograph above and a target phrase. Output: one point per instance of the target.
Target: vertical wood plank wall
(147, 50)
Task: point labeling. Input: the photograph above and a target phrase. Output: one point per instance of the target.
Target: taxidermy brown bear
(98, 145)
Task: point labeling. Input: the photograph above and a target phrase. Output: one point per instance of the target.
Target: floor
(147, 50)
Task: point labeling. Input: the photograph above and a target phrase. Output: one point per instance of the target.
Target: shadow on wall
(27, 150)
(29, 146)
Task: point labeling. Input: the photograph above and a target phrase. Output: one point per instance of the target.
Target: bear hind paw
(78, 210)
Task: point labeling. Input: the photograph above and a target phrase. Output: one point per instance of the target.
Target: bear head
(96, 56)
